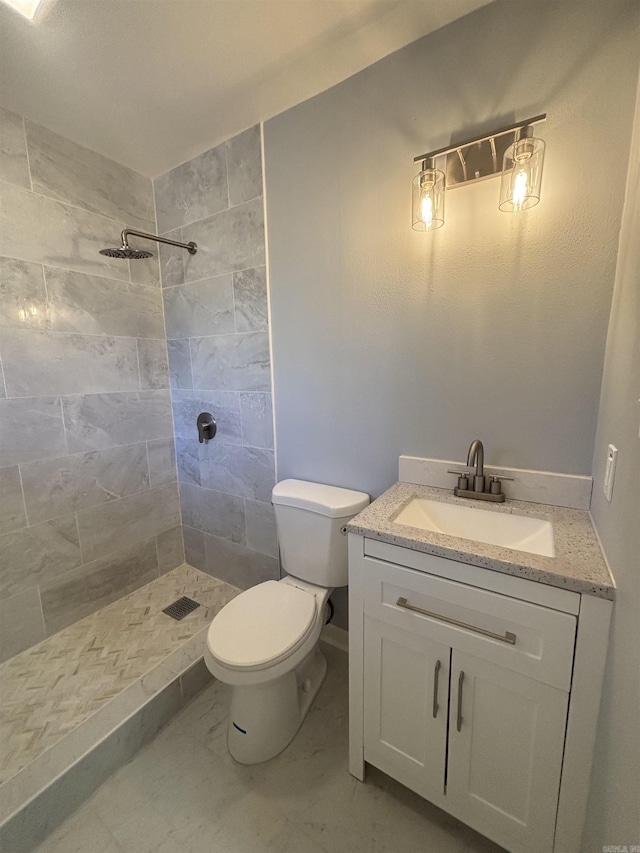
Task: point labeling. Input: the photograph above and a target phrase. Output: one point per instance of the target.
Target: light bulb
(427, 210)
(519, 188)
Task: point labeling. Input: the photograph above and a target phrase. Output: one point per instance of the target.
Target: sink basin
(520, 532)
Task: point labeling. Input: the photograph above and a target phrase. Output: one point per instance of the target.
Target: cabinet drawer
(541, 642)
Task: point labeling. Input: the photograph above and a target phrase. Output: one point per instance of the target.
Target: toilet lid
(261, 625)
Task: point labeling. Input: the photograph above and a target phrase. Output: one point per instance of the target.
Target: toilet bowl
(265, 642)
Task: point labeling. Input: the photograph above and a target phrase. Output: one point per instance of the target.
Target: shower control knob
(207, 427)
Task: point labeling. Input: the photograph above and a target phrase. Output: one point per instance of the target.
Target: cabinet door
(406, 689)
(505, 753)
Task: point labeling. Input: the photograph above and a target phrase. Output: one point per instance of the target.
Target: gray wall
(89, 506)
(614, 810)
(390, 341)
(217, 330)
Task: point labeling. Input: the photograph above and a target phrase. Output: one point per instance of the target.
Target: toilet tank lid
(331, 501)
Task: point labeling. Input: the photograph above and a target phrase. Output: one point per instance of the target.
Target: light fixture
(27, 8)
(511, 150)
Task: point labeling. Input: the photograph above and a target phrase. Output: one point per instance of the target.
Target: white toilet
(265, 641)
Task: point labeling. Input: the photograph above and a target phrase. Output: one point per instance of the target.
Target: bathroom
(332, 343)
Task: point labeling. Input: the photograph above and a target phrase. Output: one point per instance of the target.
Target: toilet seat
(261, 626)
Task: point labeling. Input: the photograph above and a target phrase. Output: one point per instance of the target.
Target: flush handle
(207, 427)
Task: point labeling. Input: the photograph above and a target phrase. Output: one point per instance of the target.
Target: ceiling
(151, 83)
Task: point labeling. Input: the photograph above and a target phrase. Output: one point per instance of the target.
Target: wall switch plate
(610, 471)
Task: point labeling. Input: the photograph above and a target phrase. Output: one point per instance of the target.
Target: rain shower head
(125, 251)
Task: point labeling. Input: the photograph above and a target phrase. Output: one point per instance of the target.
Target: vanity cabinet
(461, 681)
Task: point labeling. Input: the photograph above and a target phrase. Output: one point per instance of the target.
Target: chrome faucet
(472, 482)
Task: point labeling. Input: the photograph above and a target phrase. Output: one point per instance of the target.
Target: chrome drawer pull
(435, 689)
(507, 637)
(459, 715)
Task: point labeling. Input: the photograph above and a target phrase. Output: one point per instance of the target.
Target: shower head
(125, 251)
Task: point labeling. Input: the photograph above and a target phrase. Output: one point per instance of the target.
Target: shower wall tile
(68, 172)
(200, 308)
(162, 462)
(153, 364)
(58, 486)
(244, 471)
(145, 270)
(194, 547)
(261, 527)
(257, 420)
(21, 623)
(23, 297)
(78, 593)
(223, 405)
(30, 429)
(12, 512)
(250, 298)
(92, 305)
(35, 228)
(179, 364)
(98, 421)
(192, 190)
(35, 554)
(213, 512)
(238, 565)
(3, 389)
(232, 362)
(188, 455)
(227, 242)
(171, 259)
(244, 165)
(105, 528)
(14, 165)
(37, 363)
(170, 548)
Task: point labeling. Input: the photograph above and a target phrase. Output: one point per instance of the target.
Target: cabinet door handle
(460, 683)
(507, 637)
(436, 675)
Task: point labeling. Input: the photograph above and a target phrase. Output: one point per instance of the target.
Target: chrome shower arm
(192, 248)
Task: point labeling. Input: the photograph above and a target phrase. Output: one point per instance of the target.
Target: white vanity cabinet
(461, 681)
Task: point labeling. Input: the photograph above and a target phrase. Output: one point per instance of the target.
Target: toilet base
(264, 718)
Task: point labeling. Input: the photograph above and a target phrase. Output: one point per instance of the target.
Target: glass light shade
(521, 175)
(428, 190)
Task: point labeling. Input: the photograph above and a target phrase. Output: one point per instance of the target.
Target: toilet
(265, 642)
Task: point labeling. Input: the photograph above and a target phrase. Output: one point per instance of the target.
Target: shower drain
(181, 608)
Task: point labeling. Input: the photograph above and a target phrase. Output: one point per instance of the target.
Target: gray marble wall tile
(223, 405)
(12, 512)
(78, 593)
(145, 270)
(262, 534)
(231, 362)
(54, 487)
(21, 623)
(170, 547)
(68, 172)
(188, 454)
(92, 305)
(162, 461)
(194, 548)
(14, 165)
(238, 565)
(257, 420)
(153, 363)
(3, 389)
(179, 364)
(171, 259)
(244, 471)
(98, 421)
(192, 190)
(227, 242)
(37, 363)
(38, 553)
(40, 229)
(200, 308)
(23, 297)
(106, 528)
(213, 512)
(250, 298)
(23, 423)
(244, 165)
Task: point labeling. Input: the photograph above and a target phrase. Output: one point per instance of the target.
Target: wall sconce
(512, 150)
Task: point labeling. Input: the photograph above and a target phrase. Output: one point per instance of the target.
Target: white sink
(520, 532)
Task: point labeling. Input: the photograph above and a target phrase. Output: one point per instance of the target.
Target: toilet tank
(310, 518)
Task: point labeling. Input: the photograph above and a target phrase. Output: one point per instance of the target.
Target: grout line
(211, 277)
(138, 362)
(26, 150)
(24, 501)
(215, 213)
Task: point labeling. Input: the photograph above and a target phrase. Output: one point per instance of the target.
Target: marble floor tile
(14, 164)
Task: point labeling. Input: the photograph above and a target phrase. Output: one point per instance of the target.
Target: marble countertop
(578, 565)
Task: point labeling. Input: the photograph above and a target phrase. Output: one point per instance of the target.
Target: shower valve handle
(207, 427)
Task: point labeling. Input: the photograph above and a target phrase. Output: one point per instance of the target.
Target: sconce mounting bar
(476, 139)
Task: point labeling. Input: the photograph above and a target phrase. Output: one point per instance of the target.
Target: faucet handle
(495, 477)
(465, 469)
